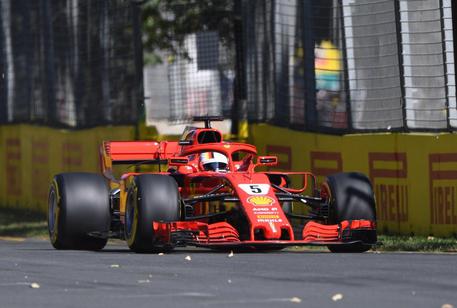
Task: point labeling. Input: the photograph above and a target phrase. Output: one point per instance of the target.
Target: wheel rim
(325, 192)
(131, 217)
(53, 213)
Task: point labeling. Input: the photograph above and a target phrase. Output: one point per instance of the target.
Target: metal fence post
(138, 50)
(48, 38)
(310, 74)
(3, 74)
(401, 69)
(454, 31)
(347, 89)
(443, 44)
(239, 89)
(107, 109)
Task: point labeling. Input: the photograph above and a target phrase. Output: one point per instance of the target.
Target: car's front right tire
(151, 198)
(350, 197)
(78, 206)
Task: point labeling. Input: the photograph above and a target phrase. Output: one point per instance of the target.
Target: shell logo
(261, 200)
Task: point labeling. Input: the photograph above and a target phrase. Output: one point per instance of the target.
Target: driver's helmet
(213, 161)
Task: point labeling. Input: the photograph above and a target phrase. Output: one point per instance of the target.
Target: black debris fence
(294, 64)
(201, 83)
(428, 64)
(70, 63)
(334, 66)
(373, 64)
(194, 74)
(342, 66)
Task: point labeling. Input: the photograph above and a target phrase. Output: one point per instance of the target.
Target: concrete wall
(31, 155)
(414, 175)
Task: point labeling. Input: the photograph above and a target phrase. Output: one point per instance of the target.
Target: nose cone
(272, 232)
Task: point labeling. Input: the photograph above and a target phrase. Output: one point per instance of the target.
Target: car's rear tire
(78, 205)
(351, 197)
(151, 198)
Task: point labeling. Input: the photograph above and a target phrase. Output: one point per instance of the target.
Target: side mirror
(267, 161)
(178, 161)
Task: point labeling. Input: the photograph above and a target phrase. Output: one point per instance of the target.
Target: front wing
(222, 235)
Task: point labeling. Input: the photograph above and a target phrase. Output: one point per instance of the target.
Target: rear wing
(135, 152)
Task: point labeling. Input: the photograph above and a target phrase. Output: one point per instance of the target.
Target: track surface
(116, 277)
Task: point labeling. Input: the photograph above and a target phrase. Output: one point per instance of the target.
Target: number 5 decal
(255, 189)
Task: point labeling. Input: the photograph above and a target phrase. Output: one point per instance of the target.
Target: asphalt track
(115, 277)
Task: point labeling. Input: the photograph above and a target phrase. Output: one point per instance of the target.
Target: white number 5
(255, 189)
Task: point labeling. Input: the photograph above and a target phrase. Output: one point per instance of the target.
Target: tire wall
(31, 155)
(414, 175)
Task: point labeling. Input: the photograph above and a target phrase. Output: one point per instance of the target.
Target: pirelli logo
(326, 163)
(388, 174)
(40, 168)
(72, 154)
(13, 158)
(443, 176)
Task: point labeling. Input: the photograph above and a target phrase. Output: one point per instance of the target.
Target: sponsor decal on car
(261, 200)
(265, 210)
(267, 216)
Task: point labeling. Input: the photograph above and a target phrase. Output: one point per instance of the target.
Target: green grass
(22, 223)
(402, 243)
(26, 223)
(417, 243)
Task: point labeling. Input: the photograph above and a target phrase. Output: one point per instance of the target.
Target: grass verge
(417, 243)
(26, 223)
(22, 223)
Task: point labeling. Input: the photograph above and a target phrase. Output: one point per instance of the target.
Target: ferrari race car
(211, 195)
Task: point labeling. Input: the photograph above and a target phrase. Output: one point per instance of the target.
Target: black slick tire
(151, 198)
(351, 197)
(78, 205)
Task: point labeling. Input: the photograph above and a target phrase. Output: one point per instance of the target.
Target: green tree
(166, 23)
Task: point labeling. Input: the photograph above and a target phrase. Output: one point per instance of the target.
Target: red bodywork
(250, 193)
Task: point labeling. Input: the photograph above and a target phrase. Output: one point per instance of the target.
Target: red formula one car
(209, 196)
